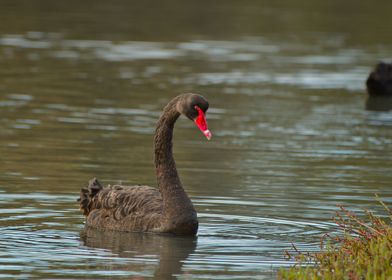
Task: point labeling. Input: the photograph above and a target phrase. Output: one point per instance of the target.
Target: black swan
(166, 209)
(379, 82)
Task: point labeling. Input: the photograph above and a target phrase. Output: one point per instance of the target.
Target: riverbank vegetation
(362, 251)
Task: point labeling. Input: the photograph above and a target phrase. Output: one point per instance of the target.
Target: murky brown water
(83, 82)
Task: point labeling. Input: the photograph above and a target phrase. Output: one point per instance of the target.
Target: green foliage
(364, 251)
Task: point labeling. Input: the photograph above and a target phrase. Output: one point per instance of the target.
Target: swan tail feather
(87, 194)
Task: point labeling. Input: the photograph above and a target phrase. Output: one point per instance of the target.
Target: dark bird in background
(379, 87)
(379, 82)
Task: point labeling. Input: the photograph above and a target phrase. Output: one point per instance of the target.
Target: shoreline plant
(362, 251)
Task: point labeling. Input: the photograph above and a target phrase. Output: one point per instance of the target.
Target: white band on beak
(208, 134)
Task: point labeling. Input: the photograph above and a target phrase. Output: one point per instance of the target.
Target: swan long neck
(165, 165)
(175, 200)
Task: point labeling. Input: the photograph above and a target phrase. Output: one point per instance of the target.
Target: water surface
(82, 85)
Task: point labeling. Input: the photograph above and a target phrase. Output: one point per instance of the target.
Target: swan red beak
(201, 123)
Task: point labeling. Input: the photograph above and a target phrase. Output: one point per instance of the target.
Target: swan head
(194, 107)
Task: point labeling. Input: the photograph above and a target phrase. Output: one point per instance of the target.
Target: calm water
(82, 85)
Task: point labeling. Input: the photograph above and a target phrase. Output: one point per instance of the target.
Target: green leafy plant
(362, 251)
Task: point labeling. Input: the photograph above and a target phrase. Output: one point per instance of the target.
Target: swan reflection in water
(170, 251)
(379, 103)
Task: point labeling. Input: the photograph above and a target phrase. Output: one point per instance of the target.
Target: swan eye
(198, 109)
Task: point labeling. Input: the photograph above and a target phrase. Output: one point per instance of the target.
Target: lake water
(83, 83)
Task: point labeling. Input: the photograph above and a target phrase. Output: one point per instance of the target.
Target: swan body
(166, 209)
